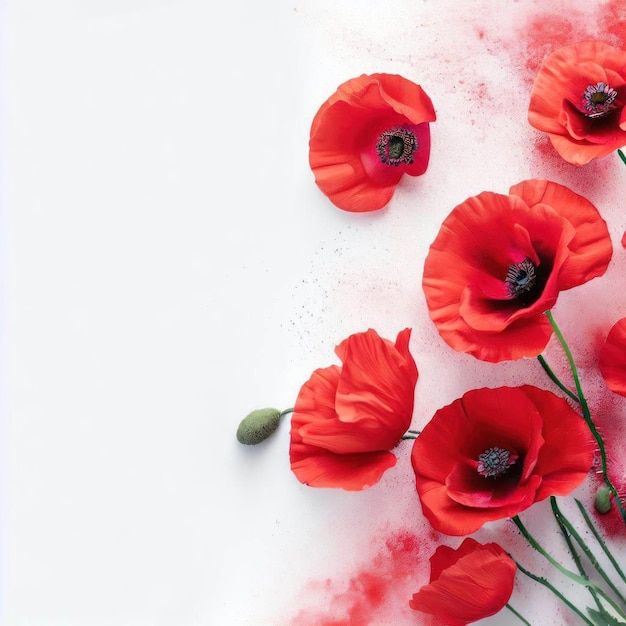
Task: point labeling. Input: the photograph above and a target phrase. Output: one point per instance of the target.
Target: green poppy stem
(565, 523)
(556, 592)
(575, 555)
(537, 546)
(518, 615)
(555, 379)
(411, 434)
(283, 413)
(621, 156)
(599, 539)
(587, 414)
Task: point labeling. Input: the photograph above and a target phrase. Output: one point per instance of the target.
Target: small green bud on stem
(258, 426)
(602, 501)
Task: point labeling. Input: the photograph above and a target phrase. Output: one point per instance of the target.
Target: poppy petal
(613, 358)
(467, 584)
(590, 249)
(317, 467)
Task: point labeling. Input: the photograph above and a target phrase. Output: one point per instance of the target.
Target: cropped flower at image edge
(612, 361)
(467, 584)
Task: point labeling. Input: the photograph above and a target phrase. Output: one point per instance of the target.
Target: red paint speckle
(612, 21)
(380, 589)
(544, 32)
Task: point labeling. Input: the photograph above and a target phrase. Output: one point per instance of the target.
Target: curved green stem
(621, 156)
(411, 434)
(599, 539)
(556, 592)
(563, 521)
(537, 546)
(619, 611)
(518, 615)
(554, 378)
(574, 553)
(587, 414)
(283, 413)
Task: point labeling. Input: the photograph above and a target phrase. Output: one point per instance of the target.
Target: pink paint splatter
(379, 591)
(612, 21)
(544, 32)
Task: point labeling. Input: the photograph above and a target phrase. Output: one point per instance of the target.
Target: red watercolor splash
(380, 590)
(544, 32)
(612, 21)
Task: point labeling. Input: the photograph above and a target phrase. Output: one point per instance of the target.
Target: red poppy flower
(578, 98)
(467, 584)
(494, 452)
(499, 262)
(369, 133)
(613, 358)
(347, 419)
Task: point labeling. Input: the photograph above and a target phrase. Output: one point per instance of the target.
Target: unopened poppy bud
(258, 426)
(603, 500)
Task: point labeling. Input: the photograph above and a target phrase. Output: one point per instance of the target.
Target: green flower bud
(258, 426)
(603, 500)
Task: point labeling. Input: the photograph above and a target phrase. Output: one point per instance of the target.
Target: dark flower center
(396, 146)
(495, 462)
(599, 100)
(521, 279)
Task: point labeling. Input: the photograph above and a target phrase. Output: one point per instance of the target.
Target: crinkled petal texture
(347, 129)
(613, 358)
(347, 419)
(466, 584)
(547, 443)
(467, 273)
(557, 101)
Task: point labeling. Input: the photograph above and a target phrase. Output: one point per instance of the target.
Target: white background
(169, 265)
